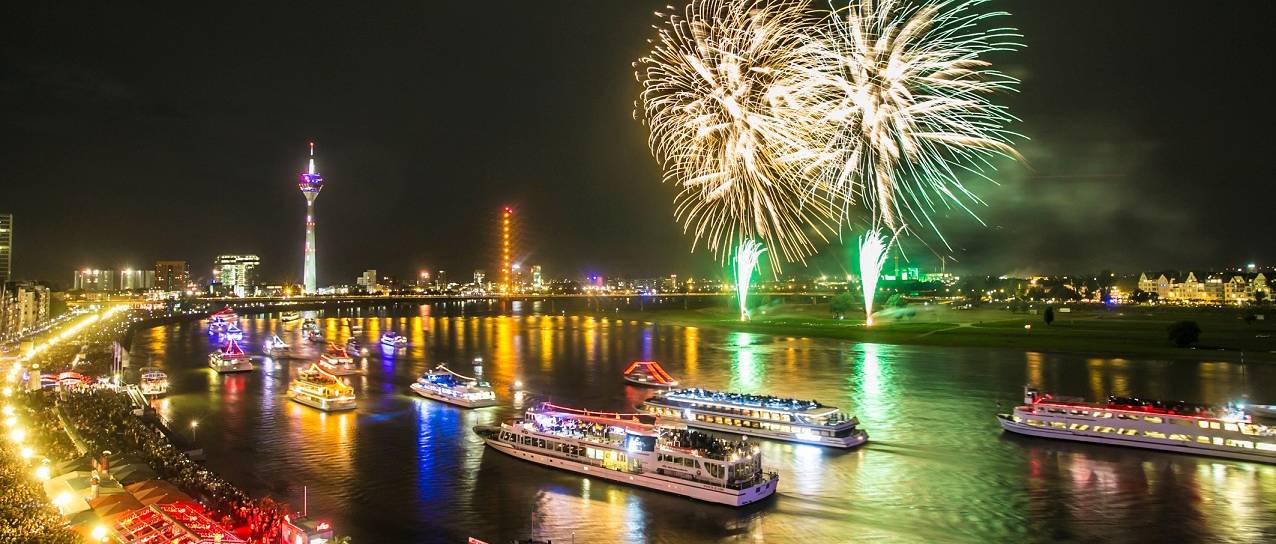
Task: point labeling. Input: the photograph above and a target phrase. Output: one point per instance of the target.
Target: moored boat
(337, 361)
(230, 359)
(631, 449)
(153, 381)
(648, 373)
(1216, 431)
(317, 388)
(763, 416)
(442, 384)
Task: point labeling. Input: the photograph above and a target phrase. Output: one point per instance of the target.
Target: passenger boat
(631, 449)
(230, 359)
(275, 343)
(288, 317)
(1217, 431)
(317, 388)
(648, 373)
(216, 325)
(153, 381)
(337, 361)
(444, 385)
(758, 415)
(391, 339)
(353, 346)
(233, 332)
(309, 324)
(225, 314)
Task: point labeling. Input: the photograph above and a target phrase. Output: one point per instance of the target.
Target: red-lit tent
(173, 523)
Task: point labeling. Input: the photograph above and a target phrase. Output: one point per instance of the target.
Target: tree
(1049, 315)
(1250, 317)
(840, 304)
(1260, 296)
(1184, 333)
(895, 301)
(1140, 296)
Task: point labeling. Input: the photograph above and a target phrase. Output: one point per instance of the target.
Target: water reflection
(937, 468)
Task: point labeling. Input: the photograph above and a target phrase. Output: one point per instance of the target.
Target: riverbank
(1132, 331)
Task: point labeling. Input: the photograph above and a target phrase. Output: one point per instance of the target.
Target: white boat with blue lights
(393, 340)
(763, 416)
(1216, 431)
(631, 449)
(442, 384)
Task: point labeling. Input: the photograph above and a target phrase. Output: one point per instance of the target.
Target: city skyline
(1108, 182)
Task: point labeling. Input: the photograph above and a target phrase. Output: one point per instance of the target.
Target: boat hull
(1008, 424)
(655, 482)
(324, 406)
(463, 403)
(239, 366)
(856, 439)
(340, 369)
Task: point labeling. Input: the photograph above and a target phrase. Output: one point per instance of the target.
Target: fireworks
(872, 257)
(718, 95)
(903, 88)
(746, 260)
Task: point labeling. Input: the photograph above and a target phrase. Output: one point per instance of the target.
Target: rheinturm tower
(310, 184)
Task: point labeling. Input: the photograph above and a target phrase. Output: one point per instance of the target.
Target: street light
(194, 425)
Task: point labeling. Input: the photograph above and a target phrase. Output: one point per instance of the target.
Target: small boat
(233, 332)
(216, 325)
(309, 324)
(354, 347)
(288, 317)
(649, 373)
(225, 314)
(1216, 431)
(337, 361)
(631, 449)
(153, 382)
(391, 339)
(230, 359)
(765, 416)
(317, 388)
(275, 343)
(356, 327)
(314, 337)
(444, 385)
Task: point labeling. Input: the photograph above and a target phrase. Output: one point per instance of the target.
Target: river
(937, 467)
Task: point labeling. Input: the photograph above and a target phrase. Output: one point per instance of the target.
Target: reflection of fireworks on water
(872, 258)
(746, 261)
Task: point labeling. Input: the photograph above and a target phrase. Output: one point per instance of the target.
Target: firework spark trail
(903, 91)
(718, 95)
(872, 258)
(746, 260)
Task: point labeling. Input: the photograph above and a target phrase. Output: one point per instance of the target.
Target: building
(367, 281)
(172, 275)
(136, 279)
(235, 274)
(6, 247)
(93, 279)
(478, 278)
(24, 305)
(1226, 288)
(538, 281)
(310, 184)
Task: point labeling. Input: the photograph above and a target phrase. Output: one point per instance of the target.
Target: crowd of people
(25, 514)
(103, 419)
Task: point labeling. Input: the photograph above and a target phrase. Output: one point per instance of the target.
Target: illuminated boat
(355, 326)
(153, 381)
(758, 415)
(631, 449)
(649, 373)
(353, 346)
(233, 332)
(317, 388)
(1262, 410)
(391, 339)
(313, 337)
(288, 317)
(230, 359)
(1216, 431)
(216, 325)
(444, 385)
(225, 314)
(275, 343)
(337, 361)
(309, 324)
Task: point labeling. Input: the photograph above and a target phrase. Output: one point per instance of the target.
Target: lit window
(1203, 424)
(1153, 434)
(1266, 447)
(1152, 419)
(1230, 427)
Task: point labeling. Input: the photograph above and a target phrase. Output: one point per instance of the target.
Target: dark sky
(137, 133)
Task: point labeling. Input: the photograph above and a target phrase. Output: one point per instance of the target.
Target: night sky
(133, 134)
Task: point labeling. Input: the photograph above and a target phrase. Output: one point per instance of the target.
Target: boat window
(1240, 444)
(1153, 419)
(1203, 424)
(1154, 434)
(1203, 439)
(1215, 425)
(1266, 447)
(1058, 425)
(1230, 427)
(1181, 437)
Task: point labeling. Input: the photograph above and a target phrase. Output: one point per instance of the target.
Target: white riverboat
(230, 359)
(337, 361)
(317, 388)
(631, 449)
(288, 317)
(442, 384)
(353, 347)
(763, 416)
(1217, 431)
(393, 340)
(153, 381)
(276, 344)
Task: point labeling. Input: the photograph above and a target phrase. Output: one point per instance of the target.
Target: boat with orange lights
(152, 381)
(230, 359)
(336, 360)
(648, 373)
(320, 389)
(631, 449)
(1216, 431)
(764, 416)
(442, 384)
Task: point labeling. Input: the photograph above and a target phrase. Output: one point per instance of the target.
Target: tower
(310, 184)
(506, 213)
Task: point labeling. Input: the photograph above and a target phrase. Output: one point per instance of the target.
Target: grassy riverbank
(1121, 332)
